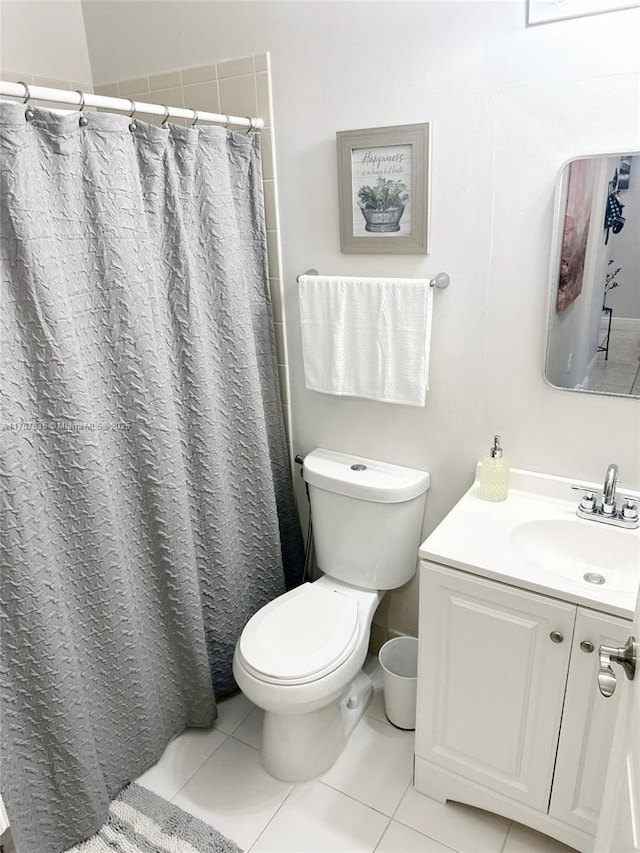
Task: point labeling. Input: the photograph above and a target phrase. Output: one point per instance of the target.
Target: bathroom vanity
(510, 715)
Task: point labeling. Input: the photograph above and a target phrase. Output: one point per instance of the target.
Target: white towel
(367, 337)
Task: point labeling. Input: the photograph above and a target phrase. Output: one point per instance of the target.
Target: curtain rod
(125, 105)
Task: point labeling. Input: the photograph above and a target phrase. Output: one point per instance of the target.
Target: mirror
(593, 341)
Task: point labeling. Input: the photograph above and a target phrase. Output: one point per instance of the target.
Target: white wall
(508, 105)
(44, 39)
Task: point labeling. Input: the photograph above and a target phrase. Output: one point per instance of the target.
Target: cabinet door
(491, 682)
(588, 722)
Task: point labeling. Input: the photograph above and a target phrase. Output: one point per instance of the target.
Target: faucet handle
(588, 502)
(630, 508)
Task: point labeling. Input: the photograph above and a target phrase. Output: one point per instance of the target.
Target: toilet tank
(367, 517)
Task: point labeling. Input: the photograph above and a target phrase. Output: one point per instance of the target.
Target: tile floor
(620, 373)
(364, 803)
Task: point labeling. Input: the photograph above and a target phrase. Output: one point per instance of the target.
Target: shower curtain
(147, 509)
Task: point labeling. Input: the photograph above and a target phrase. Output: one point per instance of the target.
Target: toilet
(300, 657)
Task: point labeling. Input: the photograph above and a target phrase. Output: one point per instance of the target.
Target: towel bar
(441, 280)
(308, 272)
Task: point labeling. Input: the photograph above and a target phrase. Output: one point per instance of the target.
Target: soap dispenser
(494, 474)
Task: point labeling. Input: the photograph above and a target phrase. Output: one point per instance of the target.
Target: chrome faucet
(609, 490)
(607, 512)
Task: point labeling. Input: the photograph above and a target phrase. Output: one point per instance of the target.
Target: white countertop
(494, 540)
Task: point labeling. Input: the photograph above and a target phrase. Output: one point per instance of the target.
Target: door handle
(627, 657)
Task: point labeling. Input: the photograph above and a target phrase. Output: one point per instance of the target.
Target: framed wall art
(576, 231)
(383, 189)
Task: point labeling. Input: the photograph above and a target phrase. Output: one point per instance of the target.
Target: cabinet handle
(587, 646)
(556, 636)
(626, 656)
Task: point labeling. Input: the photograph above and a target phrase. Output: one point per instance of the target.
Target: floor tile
(232, 711)
(233, 793)
(376, 766)
(617, 374)
(522, 839)
(183, 756)
(399, 838)
(465, 829)
(613, 375)
(250, 730)
(317, 819)
(375, 708)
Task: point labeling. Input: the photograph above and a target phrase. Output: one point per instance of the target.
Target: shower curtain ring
(83, 121)
(227, 122)
(196, 116)
(166, 115)
(251, 125)
(134, 124)
(27, 91)
(28, 113)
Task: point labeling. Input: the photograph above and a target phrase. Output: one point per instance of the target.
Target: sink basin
(534, 540)
(581, 551)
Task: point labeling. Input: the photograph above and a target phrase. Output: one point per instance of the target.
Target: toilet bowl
(300, 657)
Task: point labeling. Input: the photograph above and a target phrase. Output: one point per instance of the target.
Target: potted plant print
(383, 205)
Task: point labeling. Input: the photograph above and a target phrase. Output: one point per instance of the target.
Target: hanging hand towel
(367, 337)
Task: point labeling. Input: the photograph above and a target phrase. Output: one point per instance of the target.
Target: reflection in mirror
(594, 312)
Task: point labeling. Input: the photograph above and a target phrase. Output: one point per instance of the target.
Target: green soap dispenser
(494, 474)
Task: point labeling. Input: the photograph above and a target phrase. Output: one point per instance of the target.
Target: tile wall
(50, 82)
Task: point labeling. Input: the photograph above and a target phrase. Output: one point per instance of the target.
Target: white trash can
(399, 662)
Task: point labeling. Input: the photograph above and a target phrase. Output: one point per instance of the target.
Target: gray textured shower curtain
(147, 510)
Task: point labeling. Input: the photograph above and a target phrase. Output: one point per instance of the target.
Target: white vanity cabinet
(510, 718)
(587, 724)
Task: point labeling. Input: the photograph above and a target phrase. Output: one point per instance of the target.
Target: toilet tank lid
(377, 481)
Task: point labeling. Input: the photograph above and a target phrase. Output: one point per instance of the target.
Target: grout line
(257, 749)
(430, 837)
(198, 769)
(424, 834)
(382, 835)
(227, 735)
(264, 828)
(351, 797)
(402, 797)
(404, 794)
(250, 711)
(419, 831)
(506, 837)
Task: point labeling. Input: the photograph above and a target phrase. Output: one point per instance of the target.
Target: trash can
(399, 662)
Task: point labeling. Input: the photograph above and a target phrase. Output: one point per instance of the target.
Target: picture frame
(573, 253)
(383, 189)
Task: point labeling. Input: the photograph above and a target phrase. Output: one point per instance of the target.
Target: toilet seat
(300, 636)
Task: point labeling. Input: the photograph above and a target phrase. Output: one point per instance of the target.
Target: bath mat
(141, 822)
